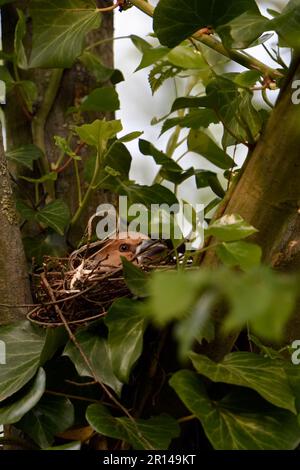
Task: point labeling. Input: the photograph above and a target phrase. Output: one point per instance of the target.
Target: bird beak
(150, 250)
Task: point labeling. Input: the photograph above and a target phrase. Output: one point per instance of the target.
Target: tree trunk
(14, 284)
(267, 196)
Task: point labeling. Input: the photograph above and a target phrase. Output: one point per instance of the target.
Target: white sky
(138, 106)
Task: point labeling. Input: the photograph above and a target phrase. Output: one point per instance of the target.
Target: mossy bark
(14, 283)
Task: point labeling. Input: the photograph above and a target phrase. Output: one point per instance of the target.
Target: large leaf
(205, 179)
(152, 434)
(101, 73)
(152, 55)
(24, 345)
(59, 30)
(201, 143)
(14, 408)
(74, 445)
(142, 194)
(186, 58)
(101, 100)
(241, 421)
(49, 417)
(264, 375)
(126, 326)
(20, 31)
(170, 169)
(263, 299)
(117, 158)
(25, 155)
(242, 31)
(98, 132)
(135, 278)
(195, 119)
(240, 253)
(173, 294)
(97, 350)
(49, 244)
(288, 23)
(56, 215)
(176, 20)
(197, 326)
(230, 228)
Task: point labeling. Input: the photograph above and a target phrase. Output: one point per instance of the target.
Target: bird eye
(123, 247)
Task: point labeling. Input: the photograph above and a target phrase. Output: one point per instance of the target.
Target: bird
(135, 247)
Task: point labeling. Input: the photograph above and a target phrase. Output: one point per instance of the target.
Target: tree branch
(246, 61)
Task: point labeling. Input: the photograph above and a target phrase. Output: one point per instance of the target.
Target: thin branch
(216, 45)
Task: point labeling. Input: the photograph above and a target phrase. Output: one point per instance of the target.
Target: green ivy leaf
(56, 215)
(52, 176)
(265, 301)
(24, 210)
(247, 79)
(152, 55)
(186, 58)
(49, 417)
(29, 92)
(142, 194)
(135, 278)
(205, 179)
(240, 421)
(74, 445)
(101, 100)
(173, 294)
(170, 171)
(243, 30)
(131, 136)
(287, 24)
(20, 31)
(264, 375)
(154, 433)
(197, 326)
(25, 155)
(24, 345)
(96, 348)
(202, 144)
(101, 73)
(50, 244)
(194, 120)
(176, 21)
(98, 132)
(126, 326)
(59, 30)
(243, 254)
(13, 409)
(230, 228)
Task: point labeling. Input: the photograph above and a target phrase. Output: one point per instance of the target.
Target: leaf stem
(39, 123)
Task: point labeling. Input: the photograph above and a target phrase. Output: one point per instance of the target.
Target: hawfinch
(135, 247)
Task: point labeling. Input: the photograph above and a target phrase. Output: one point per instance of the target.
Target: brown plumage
(135, 247)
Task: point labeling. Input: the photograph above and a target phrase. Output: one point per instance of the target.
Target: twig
(89, 365)
(211, 42)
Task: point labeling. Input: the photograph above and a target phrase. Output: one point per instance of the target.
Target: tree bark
(14, 283)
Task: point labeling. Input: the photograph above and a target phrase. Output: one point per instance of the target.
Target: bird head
(135, 247)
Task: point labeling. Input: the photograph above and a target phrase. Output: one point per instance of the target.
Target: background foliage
(149, 353)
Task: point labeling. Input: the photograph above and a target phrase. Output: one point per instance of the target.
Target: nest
(76, 290)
